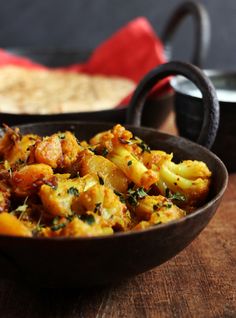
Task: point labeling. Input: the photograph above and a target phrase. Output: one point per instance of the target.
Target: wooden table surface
(199, 282)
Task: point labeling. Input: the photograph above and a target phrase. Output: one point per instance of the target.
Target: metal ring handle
(202, 30)
(193, 73)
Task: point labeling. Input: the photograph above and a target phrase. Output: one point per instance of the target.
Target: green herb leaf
(142, 145)
(61, 136)
(104, 152)
(117, 193)
(129, 163)
(141, 193)
(73, 191)
(57, 227)
(135, 194)
(55, 220)
(121, 197)
(175, 196)
(21, 209)
(87, 218)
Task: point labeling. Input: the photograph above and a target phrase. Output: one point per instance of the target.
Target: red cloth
(131, 52)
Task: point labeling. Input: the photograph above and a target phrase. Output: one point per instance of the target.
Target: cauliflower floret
(189, 178)
(58, 200)
(58, 151)
(16, 148)
(157, 209)
(90, 224)
(49, 151)
(103, 201)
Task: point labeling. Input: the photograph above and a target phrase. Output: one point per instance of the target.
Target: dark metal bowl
(189, 114)
(99, 260)
(74, 262)
(156, 108)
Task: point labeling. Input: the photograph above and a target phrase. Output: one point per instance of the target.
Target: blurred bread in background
(53, 91)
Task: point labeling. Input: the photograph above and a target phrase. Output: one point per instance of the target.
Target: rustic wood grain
(199, 282)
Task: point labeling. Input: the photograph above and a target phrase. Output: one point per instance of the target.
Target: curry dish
(60, 186)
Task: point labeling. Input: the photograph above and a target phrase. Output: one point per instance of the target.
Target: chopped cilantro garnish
(21, 209)
(87, 218)
(178, 196)
(175, 196)
(122, 199)
(55, 220)
(129, 163)
(104, 152)
(135, 195)
(143, 146)
(117, 193)
(57, 227)
(73, 191)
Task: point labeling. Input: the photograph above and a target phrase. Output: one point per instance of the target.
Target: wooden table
(199, 282)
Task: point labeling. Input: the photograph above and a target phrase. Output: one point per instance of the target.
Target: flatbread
(53, 91)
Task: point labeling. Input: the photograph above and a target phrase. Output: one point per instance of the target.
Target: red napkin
(131, 52)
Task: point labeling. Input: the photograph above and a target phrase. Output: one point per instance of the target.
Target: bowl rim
(175, 83)
(191, 215)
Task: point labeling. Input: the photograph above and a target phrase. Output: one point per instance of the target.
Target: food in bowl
(59, 186)
(41, 91)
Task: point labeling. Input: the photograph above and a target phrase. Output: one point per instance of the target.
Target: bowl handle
(202, 30)
(193, 73)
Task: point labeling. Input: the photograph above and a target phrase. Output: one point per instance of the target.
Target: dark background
(85, 23)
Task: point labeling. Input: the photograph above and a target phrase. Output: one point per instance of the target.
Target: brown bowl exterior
(155, 112)
(101, 260)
